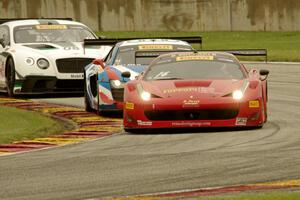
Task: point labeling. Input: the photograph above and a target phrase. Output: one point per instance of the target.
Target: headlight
(42, 63)
(117, 84)
(145, 95)
(29, 61)
(237, 95)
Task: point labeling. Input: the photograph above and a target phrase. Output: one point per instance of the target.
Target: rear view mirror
(126, 74)
(265, 73)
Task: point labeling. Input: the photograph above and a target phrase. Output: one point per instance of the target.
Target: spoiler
(113, 41)
(4, 20)
(237, 52)
(154, 54)
(246, 52)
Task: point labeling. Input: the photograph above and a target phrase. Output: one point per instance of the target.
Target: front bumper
(48, 84)
(220, 114)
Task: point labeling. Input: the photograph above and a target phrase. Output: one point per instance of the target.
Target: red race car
(196, 89)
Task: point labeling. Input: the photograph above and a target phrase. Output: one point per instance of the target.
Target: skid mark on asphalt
(288, 184)
(89, 126)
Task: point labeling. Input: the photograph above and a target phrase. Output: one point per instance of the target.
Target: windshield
(194, 70)
(51, 33)
(144, 54)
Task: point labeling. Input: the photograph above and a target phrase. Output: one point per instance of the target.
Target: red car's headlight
(237, 95)
(145, 96)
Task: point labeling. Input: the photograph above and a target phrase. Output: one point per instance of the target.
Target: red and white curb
(89, 126)
(288, 184)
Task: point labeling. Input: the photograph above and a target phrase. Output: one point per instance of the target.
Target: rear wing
(237, 52)
(4, 20)
(113, 41)
(156, 53)
(246, 52)
(153, 54)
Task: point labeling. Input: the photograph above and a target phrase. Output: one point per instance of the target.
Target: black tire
(10, 77)
(129, 130)
(134, 130)
(87, 104)
(266, 115)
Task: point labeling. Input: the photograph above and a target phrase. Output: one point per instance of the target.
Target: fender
(3, 61)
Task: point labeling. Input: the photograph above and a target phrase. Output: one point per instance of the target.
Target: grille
(69, 85)
(72, 65)
(216, 114)
(118, 94)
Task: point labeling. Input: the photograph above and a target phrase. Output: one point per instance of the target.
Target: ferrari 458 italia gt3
(196, 89)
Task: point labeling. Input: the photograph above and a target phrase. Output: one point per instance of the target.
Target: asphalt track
(125, 164)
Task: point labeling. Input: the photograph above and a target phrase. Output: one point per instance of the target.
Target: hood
(195, 88)
(65, 49)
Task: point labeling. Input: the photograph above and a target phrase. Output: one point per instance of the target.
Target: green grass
(281, 46)
(19, 125)
(272, 195)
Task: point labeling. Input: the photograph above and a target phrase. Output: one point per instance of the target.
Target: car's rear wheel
(10, 76)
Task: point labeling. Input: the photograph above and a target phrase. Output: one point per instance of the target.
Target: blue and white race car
(104, 83)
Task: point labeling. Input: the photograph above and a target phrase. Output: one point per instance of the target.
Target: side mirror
(99, 62)
(264, 72)
(126, 74)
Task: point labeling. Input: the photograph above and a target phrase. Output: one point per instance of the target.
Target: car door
(4, 43)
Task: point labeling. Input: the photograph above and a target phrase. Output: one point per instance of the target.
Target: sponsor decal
(190, 103)
(129, 106)
(51, 27)
(190, 89)
(143, 123)
(191, 124)
(196, 57)
(155, 46)
(254, 104)
(80, 76)
(241, 121)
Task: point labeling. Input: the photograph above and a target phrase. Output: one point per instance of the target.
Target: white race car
(45, 55)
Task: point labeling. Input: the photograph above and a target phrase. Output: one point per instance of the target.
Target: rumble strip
(88, 126)
(193, 193)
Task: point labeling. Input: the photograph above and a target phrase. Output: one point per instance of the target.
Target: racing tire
(266, 116)
(260, 126)
(87, 105)
(134, 130)
(10, 77)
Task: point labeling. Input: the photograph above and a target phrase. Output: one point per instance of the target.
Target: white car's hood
(65, 49)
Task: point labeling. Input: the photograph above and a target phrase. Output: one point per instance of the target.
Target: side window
(4, 35)
(107, 59)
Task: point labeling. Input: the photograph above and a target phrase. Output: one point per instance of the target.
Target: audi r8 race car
(104, 85)
(196, 89)
(44, 55)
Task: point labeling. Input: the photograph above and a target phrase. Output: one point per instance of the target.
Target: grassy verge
(282, 46)
(19, 125)
(272, 195)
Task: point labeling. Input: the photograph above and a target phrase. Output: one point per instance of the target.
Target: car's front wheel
(87, 104)
(10, 76)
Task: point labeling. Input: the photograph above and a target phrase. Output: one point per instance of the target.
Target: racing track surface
(125, 164)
